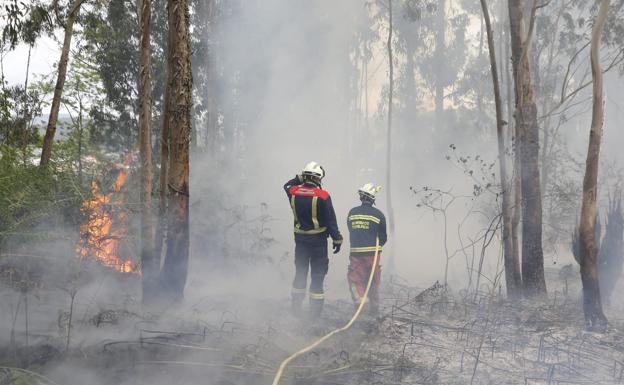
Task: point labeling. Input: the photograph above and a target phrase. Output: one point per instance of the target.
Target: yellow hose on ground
(284, 363)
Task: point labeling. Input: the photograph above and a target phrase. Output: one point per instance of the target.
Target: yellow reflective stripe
(320, 230)
(364, 217)
(314, 212)
(292, 204)
(317, 295)
(298, 291)
(364, 249)
(338, 242)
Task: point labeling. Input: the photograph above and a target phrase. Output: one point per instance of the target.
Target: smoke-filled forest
(353, 192)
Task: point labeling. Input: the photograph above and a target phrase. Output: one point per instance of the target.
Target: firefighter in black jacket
(314, 220)
(366, 224)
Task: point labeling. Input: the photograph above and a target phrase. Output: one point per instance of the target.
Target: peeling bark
(534, 283)
(512, 269)
(588, 248)
(149, 265)
(178, 116)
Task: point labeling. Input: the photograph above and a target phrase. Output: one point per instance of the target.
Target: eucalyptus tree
(177, 114)
(588, 245)
(68, 27)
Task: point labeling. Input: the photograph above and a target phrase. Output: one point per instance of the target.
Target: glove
(336, 247)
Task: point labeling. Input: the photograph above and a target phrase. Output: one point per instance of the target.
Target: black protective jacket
(314, 216)
(366, 223)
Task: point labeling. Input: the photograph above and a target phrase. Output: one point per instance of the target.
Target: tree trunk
(165, 138)
(512, 270)
(366, 123)
(389, 133)
(211, 78)
(48, 140)
(588, 248)
(439, 53)
(149, 267)
(533, 280)
(515, 178)
(25, 124)
(549, 87)
(161, 234)
(178, 116)
(80, 132)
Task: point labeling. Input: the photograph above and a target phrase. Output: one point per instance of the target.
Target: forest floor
(431, 336)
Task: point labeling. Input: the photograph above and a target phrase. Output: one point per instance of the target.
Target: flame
(102, 234)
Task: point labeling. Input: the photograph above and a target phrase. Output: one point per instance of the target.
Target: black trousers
(310, 257)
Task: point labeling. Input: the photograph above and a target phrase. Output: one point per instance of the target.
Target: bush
(35, 202)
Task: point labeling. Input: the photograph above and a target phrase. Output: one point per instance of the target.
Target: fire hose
(327, 336)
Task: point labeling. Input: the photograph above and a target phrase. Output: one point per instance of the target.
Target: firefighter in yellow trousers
(366, 224)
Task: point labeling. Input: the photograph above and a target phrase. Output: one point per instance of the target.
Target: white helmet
(313, 169)
(369, 190)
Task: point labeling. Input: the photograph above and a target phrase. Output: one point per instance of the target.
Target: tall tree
(149, 265)
(178, 118)
(588, 248)
(389, 132)
(516, 181)
(512, 265)
(48, 140)
(439, 55)
(533, 279)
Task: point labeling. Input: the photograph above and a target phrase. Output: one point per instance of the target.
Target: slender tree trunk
(366, 124)
(27, 67)
(178, 115)
(515, 179)
(48, 140)
(80, 131)
(149, 267)
(25, 123)
(389, 131)
(588, 248)
(161, 235)
(549, 87)
(480, 90)
(2, 86)
(533, 280)
(439, 53)
(211, 77)
(512, 271)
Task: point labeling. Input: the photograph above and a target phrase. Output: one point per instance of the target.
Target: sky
(44, 56)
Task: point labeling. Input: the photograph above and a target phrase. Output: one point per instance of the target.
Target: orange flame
(102, 234)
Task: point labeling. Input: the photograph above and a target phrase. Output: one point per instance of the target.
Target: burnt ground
(431, 336)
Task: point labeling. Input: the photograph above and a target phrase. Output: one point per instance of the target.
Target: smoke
(288, 75)
(295, 76)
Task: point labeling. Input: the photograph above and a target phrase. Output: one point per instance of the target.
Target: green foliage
(18, 109)
(35, 201)
(111, 37)
(111, 40)
(25, 22)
